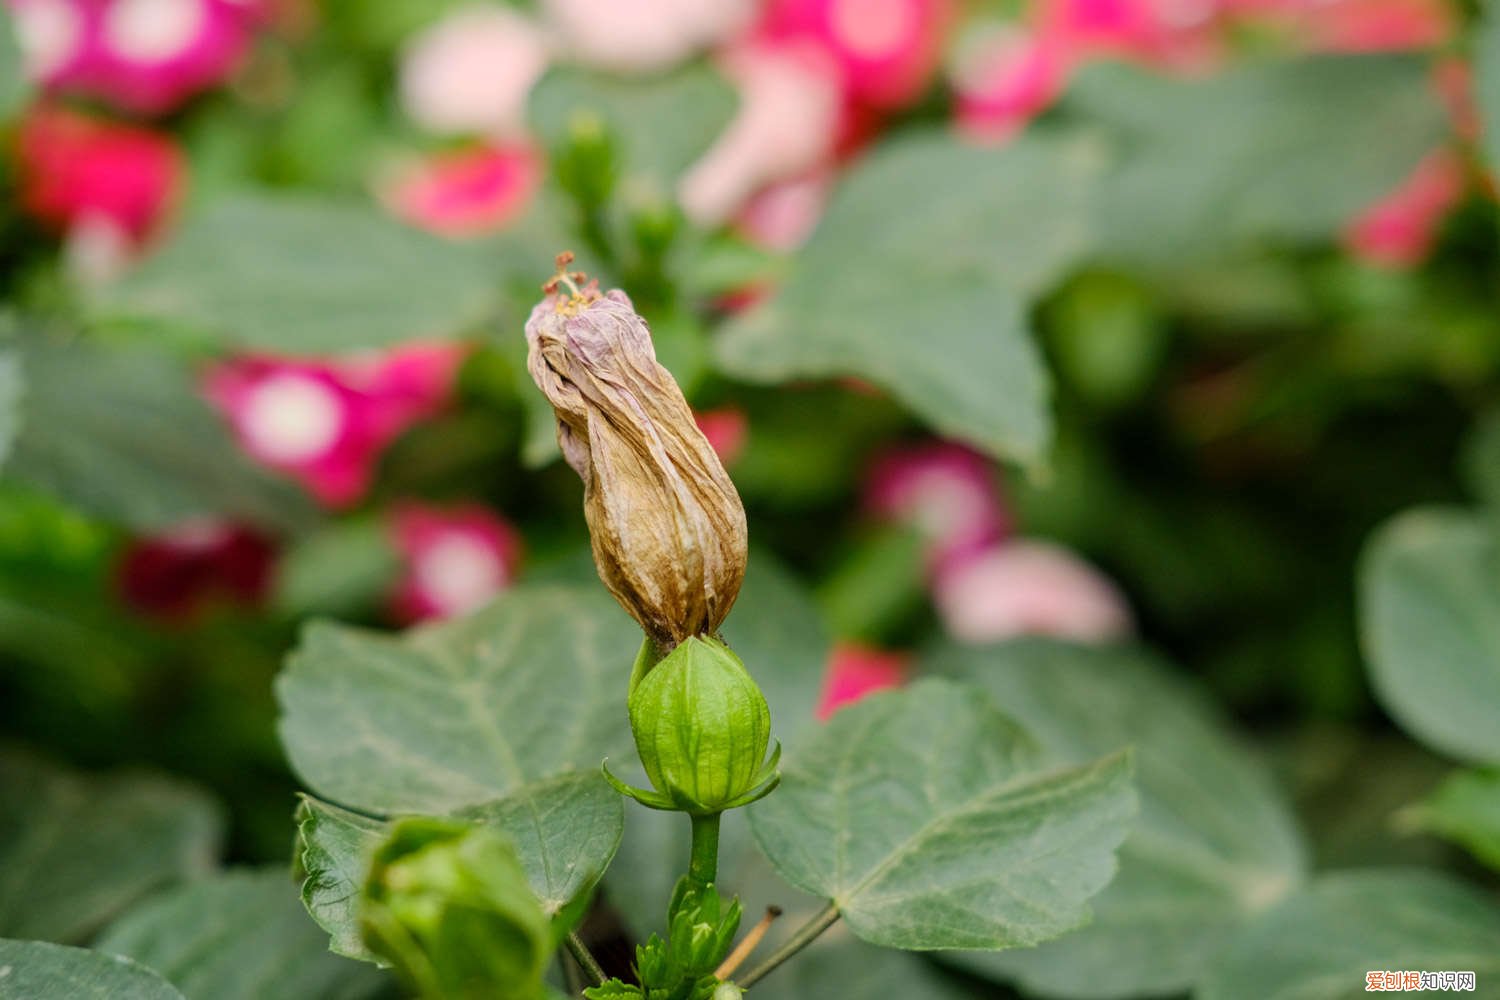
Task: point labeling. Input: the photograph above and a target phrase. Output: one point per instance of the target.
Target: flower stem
(804, 936)
(703, 865)
(585, 959)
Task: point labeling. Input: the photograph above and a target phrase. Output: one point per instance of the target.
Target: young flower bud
(701, 727)
(667, 526)
(449, 906)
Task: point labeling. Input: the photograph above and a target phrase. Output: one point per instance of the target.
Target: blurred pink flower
(326, 422)
(1027, 587)
(726, 429)
(453, 559)
(783, 215)
(887, 50)
(1401, 228)
(472, 71)
(1168, 33)
(787, 124)
(1006, 78)
(105, 187)
(146, 56)
(465, 193)
(947, 492)
(174, 575)
(630, 36)
(855, 671)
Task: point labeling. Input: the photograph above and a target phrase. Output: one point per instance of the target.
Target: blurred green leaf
(464, 712)
(1429, 602)
(1284, 151)
(1480, 462)
(1320, 942)
(1214, 844)
(238, 936)
(123, 434)
(76, 850)
(14, 87)
(930, 821)
(301, 275)
(12, 396)
(663, 123)
(1486, 41)
(35, 970)
(342, 569)
(565, 831)
(839, 965)
(1466, 810)
(919, 278)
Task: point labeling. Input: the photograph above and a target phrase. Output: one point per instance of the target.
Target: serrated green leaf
(930, 303)
(35, 970)
(1284, 151)
(76, 850)
(1214, 844)
(1320, 943)
(123, 434)
(238, 936)
(464, 712)
(565, 831)
(295, 274)
(1466, 810)
(931, 821)
(1429, 604)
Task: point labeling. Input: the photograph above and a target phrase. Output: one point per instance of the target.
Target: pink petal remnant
(453, 559)
(1005, 79)
(145, 56)
(326, 422)
(947, 492)
(471, 192)
(175, 575)
(75, 169)
(782, 216)
(642, 36)
(472, 71)
(1027, 587)
(787, 124)
(1353, 25)
(855, 671)
(1400, 230)
(726, 429)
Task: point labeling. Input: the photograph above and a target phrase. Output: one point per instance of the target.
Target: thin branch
(580, 952)
(805, 935)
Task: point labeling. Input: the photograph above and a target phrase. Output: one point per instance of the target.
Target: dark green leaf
(341, 570)
(464, 712)
(1284, 151)
(1430, 600)
(303, 275)
(930, 303)
(931, 821)
(75, 851)
(238, 936)
(35, 970)
(1214, 844)
(1320, 942)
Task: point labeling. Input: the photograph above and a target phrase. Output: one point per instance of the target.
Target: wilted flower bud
(701, 727)
(449, 906)
(668, 528)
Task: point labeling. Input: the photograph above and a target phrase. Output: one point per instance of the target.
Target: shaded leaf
(1487, 80)
(15, 89)
(464, 712)
(1466, 810)
(930, 820)
(76, 850)
(296, 274)
(931, 303)
(35, 970)
(840, 965)
(12, 391)
(1320, 942)
(238, 936)
(1430, 604)
(1214, 843)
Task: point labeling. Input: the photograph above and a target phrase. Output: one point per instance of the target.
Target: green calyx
(700, 934)
(702, 728)
(448, 905)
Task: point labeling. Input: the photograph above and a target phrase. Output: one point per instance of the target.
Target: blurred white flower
(472, 71)
(1029, 588)
(643, 35)
(791, 100)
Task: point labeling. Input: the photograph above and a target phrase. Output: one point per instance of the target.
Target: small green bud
(728, 991)
(701, 727)
(449, 906)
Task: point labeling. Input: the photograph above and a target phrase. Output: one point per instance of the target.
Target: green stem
(703, 866)
(805, 935)
(571, 976)
(580, 952)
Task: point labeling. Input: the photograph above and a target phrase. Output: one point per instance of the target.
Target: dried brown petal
(668, 527)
